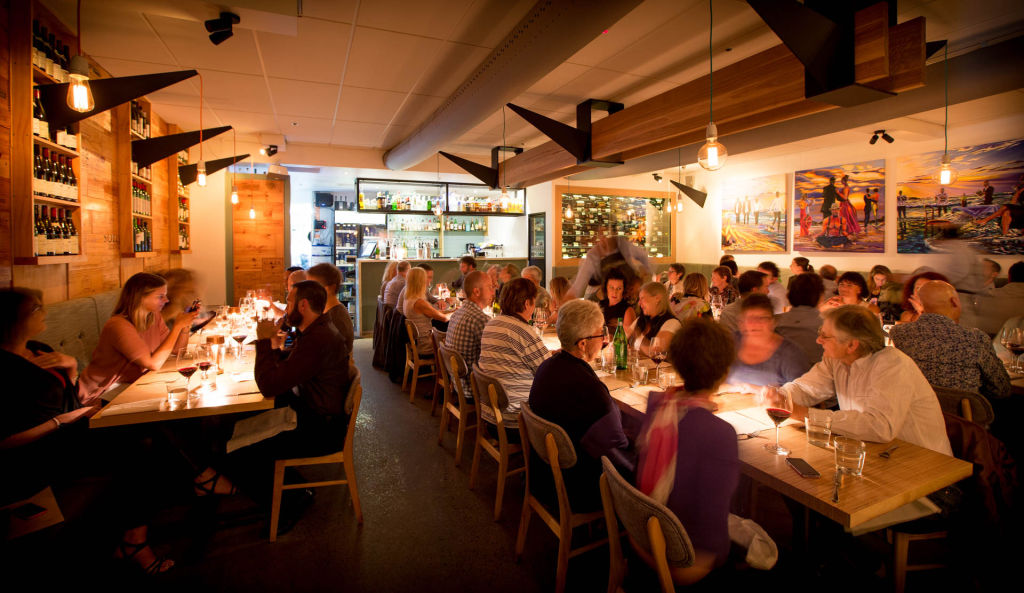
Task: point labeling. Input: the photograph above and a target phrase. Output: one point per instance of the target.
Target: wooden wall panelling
(6, 272)
(258, 245)
(871, 43)
(101, 270)
(906, 57)
(5, 63)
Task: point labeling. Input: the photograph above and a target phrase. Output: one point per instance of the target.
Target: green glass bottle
(621, 347)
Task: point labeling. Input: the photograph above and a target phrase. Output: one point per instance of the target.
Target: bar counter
(369, 273)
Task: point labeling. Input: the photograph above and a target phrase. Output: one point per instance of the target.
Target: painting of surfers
(982, 207)
(840, 208)
(754, 215)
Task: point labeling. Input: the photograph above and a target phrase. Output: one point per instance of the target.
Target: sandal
(209, 487)
(159, 564)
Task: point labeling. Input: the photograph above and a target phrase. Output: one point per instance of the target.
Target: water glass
(666, 377)
(850, 455)
(639, 374)
(819, 426)
(177, 395)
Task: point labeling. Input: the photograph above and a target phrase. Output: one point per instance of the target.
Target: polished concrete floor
(423, 530)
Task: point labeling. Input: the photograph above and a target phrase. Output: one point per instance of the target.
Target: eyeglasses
(589, 338)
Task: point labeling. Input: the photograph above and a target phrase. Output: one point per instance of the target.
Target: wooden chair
(653, 530)
(487, 391)
(414, 361)
(556, 450)
(344, 457)
(456, 403)
(966, 404)
(437, 337)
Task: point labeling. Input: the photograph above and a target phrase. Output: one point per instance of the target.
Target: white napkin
(762, 553)
(262, 427)
(145, 405)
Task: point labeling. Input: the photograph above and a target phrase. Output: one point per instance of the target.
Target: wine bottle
(621, 347)
(40, 127)
(73, 231)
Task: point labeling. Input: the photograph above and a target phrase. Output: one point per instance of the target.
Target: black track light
(881, 133)
(269, 150)
(220, 28)
(657, 177)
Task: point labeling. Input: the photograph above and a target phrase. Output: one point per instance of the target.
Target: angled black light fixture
(657, 177)
(220, 28)
(883, 135)
(269, 150)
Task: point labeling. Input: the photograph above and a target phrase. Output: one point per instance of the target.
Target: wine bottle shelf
(137, 135)
(142, 179)
(55, 202)
(43, 260)
(62, 150)
(42, 77)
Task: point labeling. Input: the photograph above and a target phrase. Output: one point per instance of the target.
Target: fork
(752, 435)
(885, 454)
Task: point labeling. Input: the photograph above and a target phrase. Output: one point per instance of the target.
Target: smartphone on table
(802, 467)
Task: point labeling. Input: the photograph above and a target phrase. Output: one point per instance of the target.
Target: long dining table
(909, 473)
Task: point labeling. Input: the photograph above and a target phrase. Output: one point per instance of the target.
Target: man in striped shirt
(510, 350)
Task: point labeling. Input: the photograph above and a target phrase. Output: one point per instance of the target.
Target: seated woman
(722, 285)
(763, 357)
(852, 290)
(655, 321)
(910, 304)
(692, 300)
(559, 289)
(419, 311)
(614, 305)
(882, 287)
(390, 271)
(510, 350)
(42, 432)
(134, 340)
(566, 391)
(799, 265)
(688, 459)
(802, 322)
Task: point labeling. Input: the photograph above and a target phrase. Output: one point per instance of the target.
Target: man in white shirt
(396, 284)
(882, 394)
(776, 292)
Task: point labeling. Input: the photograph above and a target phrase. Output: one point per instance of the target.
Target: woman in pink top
(134, 340)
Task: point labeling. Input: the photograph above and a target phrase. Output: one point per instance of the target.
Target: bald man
(949, 355)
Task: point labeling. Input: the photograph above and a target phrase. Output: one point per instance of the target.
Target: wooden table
(141, 402)
(887, 484)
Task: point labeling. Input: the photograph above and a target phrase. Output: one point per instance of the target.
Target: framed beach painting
(754, 215)
(840, 208)
(982, 207)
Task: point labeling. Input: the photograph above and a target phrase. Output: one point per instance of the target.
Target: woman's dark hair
(514, 295)
(723, 271)
(908, 288)
(613, 274)
(15, 306)
(756, 300)
(804, 263)
(678, 269)
(731, 264)
(879, 269)
(702, 352)
(805, 290)
(857, 279)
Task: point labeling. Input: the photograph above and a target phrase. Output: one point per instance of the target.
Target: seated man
(566, 391)
(467, 264)
(533, 274)
(949, 355)
(882, 394)
(396, 284)
(751, 282)
(467, 323)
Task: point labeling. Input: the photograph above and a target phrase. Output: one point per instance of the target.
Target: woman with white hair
(567, 391)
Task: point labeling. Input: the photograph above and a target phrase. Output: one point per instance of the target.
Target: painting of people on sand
(840, 208)
(754, 215)
(982, 207)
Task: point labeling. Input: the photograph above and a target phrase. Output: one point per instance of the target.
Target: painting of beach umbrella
(830, 216)
(982, 208)
(754, 215)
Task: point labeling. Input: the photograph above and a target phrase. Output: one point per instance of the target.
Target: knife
(838, 483)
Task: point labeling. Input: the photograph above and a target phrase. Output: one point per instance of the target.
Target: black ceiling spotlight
(269, 150)
(220, 28)
(884, 136)
(657, 177)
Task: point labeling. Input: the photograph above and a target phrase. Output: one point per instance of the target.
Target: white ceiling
(366, 73)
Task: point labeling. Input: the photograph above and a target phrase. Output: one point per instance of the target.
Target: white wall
(209, 254)
(540, 198)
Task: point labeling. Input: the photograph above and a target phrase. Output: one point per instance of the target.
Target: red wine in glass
(205, 366)
(778, 415)
(1017, 349)
(239, 338)
(187, 372)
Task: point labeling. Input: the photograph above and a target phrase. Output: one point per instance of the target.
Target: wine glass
(716, 306)
(779, 406)
(540, 320)
(658, 352)
(602, 354)
(187, 366)
(1015, 344)
(204, 360)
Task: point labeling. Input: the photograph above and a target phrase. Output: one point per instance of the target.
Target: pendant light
(201, 167)
(947, 175)
(713, 154)
(568, 193)
(234, 150)
(79, 94)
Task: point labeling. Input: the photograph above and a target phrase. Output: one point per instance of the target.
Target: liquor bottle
(39, 125)
(72, 180)
(621, 347)
(63, 237)
(75, 247)
(38, 234)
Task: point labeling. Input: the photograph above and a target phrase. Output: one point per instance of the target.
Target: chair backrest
(966, 404)
(484, 384)
(537, 430)
(352, 401)
(634, 509)
(455, 366)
